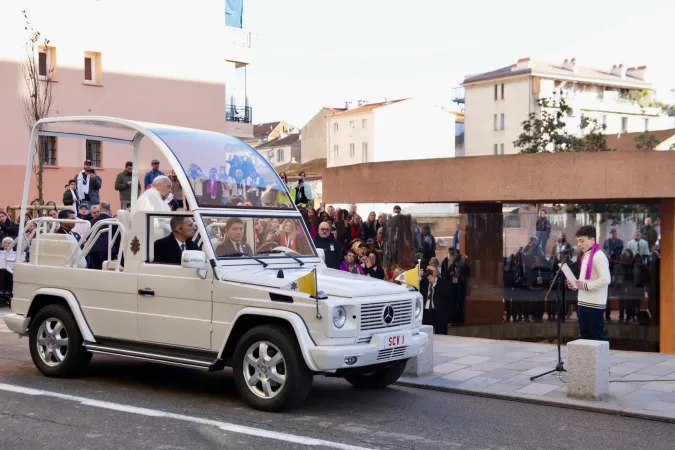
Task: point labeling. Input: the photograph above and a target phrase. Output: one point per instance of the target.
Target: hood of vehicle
(331, 282)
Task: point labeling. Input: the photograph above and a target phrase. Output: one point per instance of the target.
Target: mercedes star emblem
(388, 314)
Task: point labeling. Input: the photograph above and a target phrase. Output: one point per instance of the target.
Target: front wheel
(56, 343)
(269, 370)
(378, 378)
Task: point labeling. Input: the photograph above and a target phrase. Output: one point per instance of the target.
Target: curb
(534, 401)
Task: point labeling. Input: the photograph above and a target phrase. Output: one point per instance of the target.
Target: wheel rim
(52, 342)
(264, 369)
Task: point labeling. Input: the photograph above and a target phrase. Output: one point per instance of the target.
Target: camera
(427, 273)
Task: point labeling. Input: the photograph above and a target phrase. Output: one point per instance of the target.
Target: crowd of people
(634, 267)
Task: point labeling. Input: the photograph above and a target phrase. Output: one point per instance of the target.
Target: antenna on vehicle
(280, 273)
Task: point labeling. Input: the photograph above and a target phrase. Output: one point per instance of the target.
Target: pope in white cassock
(156, 199)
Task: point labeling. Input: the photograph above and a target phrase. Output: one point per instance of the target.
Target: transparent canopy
(224, 171)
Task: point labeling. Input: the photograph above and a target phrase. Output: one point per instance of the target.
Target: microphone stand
(558, 281)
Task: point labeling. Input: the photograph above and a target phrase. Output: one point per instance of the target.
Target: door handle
(146, 292)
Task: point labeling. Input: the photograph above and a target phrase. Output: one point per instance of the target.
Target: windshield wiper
(268, 252)
(264, 264)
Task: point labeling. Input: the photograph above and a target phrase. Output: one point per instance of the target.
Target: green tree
(645, 141)
(545, 132)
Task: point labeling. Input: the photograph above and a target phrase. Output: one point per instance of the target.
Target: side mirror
(322, 253)
(193, 259)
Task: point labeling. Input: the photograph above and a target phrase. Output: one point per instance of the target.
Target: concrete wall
(509, 179)
(313, 137)
(412, 130)
(149, 72)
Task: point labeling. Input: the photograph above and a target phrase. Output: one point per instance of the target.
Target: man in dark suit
(67, 228)
(436, 301)
(99, 251)
(169, 250)
(234, 242)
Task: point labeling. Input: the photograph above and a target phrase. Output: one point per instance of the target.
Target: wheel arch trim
(74, 307)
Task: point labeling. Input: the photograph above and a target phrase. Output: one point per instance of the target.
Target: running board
(204, 364)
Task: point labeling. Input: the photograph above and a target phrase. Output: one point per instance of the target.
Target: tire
(271, 340)
(57, 351)
(379, 378)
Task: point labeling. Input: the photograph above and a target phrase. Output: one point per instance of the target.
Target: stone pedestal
(588, 369)
(423, 363)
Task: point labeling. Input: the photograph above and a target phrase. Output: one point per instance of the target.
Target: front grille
(391, 353)
(372, 314)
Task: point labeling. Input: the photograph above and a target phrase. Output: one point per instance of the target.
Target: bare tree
(38, 99)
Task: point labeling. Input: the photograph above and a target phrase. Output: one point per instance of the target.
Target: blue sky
(314, 53)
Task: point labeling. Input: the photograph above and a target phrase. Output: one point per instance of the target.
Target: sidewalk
(503, 369)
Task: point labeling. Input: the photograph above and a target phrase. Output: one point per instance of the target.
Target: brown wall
(507, 178)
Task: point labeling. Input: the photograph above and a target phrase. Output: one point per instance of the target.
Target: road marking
(225, 426)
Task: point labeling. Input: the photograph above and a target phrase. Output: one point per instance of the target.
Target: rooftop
(365, 108)
(281, 142)
(263, 129)
(568, 70)
(313, 167)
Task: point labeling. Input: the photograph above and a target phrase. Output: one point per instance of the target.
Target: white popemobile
(256, 297)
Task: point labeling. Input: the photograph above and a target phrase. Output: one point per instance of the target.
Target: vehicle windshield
(225, 172)
(239, 237)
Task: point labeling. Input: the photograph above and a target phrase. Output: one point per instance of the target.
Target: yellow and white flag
(410, 277)
(305, 284)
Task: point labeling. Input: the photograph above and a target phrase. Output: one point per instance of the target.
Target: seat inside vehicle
(54, 250)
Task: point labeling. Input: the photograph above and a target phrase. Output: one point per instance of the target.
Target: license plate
(393, 340)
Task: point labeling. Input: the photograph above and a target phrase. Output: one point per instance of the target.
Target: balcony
(458, 94)
(241, 114)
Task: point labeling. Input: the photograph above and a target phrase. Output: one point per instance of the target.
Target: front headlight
(418, 307)
(339, 317)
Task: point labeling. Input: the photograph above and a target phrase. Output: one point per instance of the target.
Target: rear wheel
(378, 378)
(56, 345)
(269, 370)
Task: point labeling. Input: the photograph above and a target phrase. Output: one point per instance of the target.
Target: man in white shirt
(156, 199)
(593, 282)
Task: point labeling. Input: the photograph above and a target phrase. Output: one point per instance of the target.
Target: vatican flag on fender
(306, 284)
(410, 277)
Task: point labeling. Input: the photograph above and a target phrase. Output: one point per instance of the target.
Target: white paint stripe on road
(225, 426)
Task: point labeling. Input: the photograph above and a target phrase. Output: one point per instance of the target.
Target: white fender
(75, 308)
(301, 333)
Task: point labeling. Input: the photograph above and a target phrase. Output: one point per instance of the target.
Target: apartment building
(118, 58)
(389, 131)
(497, 102)
(314, 135)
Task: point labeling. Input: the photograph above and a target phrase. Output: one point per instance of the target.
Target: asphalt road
(135, 405)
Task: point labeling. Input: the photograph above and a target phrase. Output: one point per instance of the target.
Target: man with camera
(436, 300)
(88, 184)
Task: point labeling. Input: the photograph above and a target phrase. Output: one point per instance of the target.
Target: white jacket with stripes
(594, 292)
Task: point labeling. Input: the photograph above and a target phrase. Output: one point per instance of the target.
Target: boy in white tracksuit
(594, 279)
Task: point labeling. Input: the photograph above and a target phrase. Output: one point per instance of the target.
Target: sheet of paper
(569, 274)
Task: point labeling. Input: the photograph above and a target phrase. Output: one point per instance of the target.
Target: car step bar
(209, 365)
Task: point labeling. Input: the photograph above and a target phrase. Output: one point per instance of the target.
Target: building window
(335, 127)
(496, 149)
(351, 124)
(501, 120)
(646, 125)
(496, 92)
(351, 150)
(501, 149)
(47, 63)
(280, 155)
(364, 123)
(92, 68)
(47, 147)
(604, 121)
(93, 152)
(624, 124)
(494, 122)
(364, 151)
(335, 151)
(502, 91)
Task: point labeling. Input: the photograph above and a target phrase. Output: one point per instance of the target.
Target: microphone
(569, 250)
